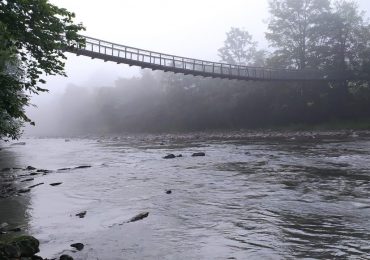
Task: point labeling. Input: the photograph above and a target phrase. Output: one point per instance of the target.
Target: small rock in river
(65, 257)
(64, 169)
(139, 217)
(168, 191)
(180, 155)
(30, 168)
(81, 214)
(83, 167)
(17, 229)
(198, 154)
(38, 184)
(29, 179)
(55, 183)
(78, 246)
(169, 156)
(44, 171)
(24, 190)
(34, 173)
(20, 143)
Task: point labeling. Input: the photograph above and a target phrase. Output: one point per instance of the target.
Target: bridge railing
(188, 65)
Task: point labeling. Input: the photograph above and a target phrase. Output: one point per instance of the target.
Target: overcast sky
(194, 28)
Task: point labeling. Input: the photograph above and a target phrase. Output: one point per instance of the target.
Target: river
(248, 198)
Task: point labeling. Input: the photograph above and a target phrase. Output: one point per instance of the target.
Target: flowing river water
(248, 198)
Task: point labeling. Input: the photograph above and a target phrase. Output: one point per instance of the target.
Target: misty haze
(184, 129)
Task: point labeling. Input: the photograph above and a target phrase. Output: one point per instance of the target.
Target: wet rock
(139, 217)
(65, 257)
(9, 251)
(3, 225)
(29, 179)
(16, 229)
(169, 156)
(33, 186)
(28, 245)
(34, 173)
(81, 214)
(44, 171)
(55, 183)
(36, 257)
(198, 154)
(20, 143)
(180, 155)
(30, 168)
(83, 167)
(24, 190)
(168, 191)
(78, 246)
(64, 169)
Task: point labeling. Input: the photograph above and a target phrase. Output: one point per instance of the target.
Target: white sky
(194, 28)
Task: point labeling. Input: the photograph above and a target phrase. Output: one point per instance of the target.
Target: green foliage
(294, 31)
(33, 37)
(240, 49)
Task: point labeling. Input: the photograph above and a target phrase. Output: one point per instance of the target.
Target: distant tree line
(303, 34)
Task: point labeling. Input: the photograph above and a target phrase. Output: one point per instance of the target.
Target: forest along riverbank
(246, 194)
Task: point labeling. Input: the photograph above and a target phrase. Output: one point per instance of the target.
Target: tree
(240, 49)
(33, 37)
(349, 37)
(293, 31)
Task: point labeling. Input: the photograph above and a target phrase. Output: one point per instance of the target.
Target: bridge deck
(109, 51)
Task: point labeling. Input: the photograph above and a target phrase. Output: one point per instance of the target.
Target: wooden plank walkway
(109, 51)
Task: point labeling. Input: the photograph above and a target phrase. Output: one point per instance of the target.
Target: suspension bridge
(108, 51)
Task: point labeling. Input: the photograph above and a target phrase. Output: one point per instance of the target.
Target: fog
(187, 28)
